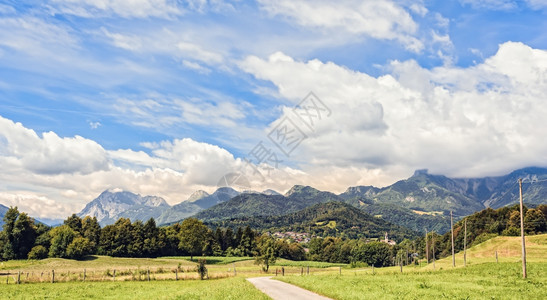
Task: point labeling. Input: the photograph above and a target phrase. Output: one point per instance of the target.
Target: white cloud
(471, 121)
(123, 8)
(197, 52)
(195, 66)
(537, 4)
(378, 19)
(35, 37)
(38, 205)
(94, 125)
(159, 112)
(128, 42)
(49, 153)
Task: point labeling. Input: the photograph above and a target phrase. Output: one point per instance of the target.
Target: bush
(202, 269)
(37, 252)
(511, 231)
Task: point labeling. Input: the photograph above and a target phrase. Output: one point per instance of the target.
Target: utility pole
(522, 231)
(465, 242)
(433, 238)
(452, 230)
(426, 249)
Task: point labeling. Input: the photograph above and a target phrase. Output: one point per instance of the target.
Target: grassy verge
(230, 288)
(484, 281)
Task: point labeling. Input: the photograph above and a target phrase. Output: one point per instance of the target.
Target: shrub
(202, 269)
(511, 231)
(37, 252)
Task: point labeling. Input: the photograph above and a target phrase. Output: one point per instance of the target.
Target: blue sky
(164, 97)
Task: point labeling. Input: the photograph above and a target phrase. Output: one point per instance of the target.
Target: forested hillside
(334, 219)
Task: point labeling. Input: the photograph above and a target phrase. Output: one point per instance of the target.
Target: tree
(74, 222)
(61, 237)
(92, 231)
(534, 221)
(374, 254)
(152, 242)
(107, 240)
(18, 236)
(78, 248)
(136, 246)
(267, 251)
(193, 235)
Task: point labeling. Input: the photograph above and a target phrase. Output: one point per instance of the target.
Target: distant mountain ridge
(246, 205)
(112, 205)
(423, 200)
(464, 196)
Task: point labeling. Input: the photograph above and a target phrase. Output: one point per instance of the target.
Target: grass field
(483, 281)
(229, 288)
(483, 278)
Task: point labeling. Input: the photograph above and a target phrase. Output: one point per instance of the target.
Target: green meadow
(127, 278)
(483, 278)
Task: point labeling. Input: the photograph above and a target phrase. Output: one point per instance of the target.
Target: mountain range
(422, 201)
(427, 193)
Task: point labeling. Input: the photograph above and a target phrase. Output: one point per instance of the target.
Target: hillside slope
(507, 247)
(249, 205)
(324, 219)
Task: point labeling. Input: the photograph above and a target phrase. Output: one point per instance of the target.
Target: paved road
(278, 290)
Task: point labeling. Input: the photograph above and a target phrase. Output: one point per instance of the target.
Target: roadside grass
(483, 278)
(228, 288)
(481, 281)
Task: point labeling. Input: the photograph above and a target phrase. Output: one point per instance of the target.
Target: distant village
(304, 237)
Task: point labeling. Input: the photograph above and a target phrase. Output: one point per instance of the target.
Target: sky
(167, 97)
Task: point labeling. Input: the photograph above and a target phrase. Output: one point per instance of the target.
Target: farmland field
(483, 278)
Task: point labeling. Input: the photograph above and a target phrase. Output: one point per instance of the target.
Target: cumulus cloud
(454, 121)
(65, 173)
(378, 19)
(49, 153)
(38, 205)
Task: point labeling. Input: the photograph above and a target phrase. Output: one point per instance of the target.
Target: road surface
(278, 290)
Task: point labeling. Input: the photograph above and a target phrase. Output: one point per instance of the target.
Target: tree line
(23, 238)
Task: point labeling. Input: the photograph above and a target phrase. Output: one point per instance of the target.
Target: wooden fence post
(114, 275)
(18, 277)
(52, 276)
(84, 275)
(177, 274)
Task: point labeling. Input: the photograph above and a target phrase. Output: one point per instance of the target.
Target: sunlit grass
(229, 288)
